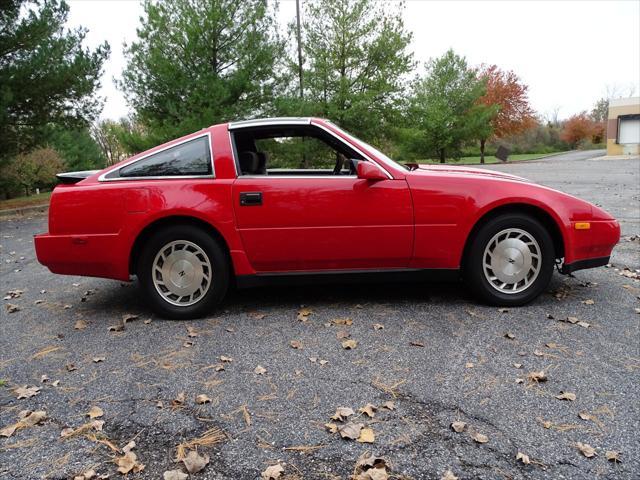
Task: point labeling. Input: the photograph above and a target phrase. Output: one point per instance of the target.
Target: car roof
(263, 122)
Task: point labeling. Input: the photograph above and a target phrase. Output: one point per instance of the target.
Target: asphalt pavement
(430, 349)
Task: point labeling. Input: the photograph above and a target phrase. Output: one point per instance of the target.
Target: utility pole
(299, 47)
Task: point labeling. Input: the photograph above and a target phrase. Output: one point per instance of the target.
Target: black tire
(219, 273)
(474, 272)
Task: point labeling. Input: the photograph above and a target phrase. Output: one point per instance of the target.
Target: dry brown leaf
(259, 370)
(332, 427)
(584, 324)
(366, 436)
(226, 359)
(588, 302)
(194, 462)
(188, 344)
(342, 334)
(350, 430)
(116, 328)
(448, 475)
(246, 415)
(27, 419)
(192, 332)
(303, 314)
(297, 344)
(95, 412)
(524, 458)
(479, 437)
(458, 426)
(537, 376)
(346, 321)
(98, 359)
(416, 344)
(389, 405)
(342, 413)
(517, 365)
(586, 450)
(369, 409)
(566, 396)
(174, 475)
(468, 365)
(80, 325)
(349, 344)
(612, 456)
(26, 392)
(179, 400)
(370, 467)
(378, 326)
(272, 472)
(202, 399)
(509, 335)
(11, 308)
(129, 463)
(571, 320)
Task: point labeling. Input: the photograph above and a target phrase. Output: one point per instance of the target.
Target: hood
(464, 170)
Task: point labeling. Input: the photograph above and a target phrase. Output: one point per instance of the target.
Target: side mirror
(367, 171)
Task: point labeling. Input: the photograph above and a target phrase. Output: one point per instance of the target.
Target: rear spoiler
(75, 177)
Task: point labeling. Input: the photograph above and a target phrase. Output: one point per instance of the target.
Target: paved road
(466, 370)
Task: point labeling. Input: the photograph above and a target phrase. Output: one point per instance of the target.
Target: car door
(302, 222)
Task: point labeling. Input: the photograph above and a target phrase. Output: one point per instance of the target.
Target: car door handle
(248, 199)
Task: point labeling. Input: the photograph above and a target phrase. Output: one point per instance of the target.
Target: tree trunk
(482, 142)
(442, 155)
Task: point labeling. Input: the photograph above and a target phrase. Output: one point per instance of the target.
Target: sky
(569, 53)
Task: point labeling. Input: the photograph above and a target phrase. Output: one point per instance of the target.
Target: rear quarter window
(192, 158)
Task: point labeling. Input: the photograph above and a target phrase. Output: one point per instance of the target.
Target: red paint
(417, 219)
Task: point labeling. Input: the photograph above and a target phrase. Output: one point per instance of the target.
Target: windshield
(368, 147)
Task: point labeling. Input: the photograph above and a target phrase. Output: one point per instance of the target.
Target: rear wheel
(183, 272)
(510, 260)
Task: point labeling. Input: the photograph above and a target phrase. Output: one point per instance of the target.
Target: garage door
(629, 130)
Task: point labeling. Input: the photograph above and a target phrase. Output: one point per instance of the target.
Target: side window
(187, 159)
(297, 153)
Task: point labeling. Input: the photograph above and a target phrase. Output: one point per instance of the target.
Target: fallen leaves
(129, 461)
(192, 332)
(524, 458)
(194, 462)
(259, 370)
(479, 437)
(566, 396)
(448, 475)
(272, 472)
(346, 321)
(119, 327)
(366, 436)
(537, 377)
(612, 456)
(80, 324)
(13, 294)
(349, 344)
(174, 475)
(303, 314)
(26, 392)
(202, 399)
(12, 308)
(27, 419)
(379, 326)
(586, 450)
(350, 430)
(369, 410)
(369, 467)
(297, 344)
(458, 426)
(95, 412)
(209, 438)
(342, 413)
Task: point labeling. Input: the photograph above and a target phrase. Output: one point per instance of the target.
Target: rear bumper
(85, 255)
(583, 264)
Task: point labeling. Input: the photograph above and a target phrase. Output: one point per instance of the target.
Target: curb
(24, 210)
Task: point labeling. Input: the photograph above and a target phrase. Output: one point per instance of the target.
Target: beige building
(623, 126)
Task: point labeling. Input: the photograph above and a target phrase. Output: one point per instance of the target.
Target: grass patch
(487, 159)
(29, 201)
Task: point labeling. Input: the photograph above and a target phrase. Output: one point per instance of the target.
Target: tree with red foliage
(513, 113)
(578, 127)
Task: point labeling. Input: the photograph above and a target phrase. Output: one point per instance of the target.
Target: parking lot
(433, 352)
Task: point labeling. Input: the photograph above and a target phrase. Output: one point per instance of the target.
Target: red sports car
(277, 199)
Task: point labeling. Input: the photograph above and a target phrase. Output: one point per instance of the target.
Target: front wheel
(510, 260)
(183, 272)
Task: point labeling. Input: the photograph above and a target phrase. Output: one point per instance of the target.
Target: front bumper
(568, 268)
